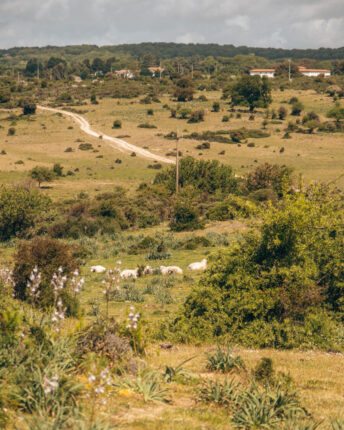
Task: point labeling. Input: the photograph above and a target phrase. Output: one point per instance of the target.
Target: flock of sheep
(148, 270)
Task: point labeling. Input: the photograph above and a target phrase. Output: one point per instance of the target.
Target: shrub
(11, 131)
(251, 145)
(269, 176)
(205, 176)
(185, 218)
(197, 116)
(19, 208)
(48, 255)
(150, 112)
(238, 135)
(296, 108)
(117, 124)
(233, 207)
(69, 149)
(85, 146)
(29, 107)
(282, 112)
(58, 169)
(225, 118)
(146, 125)
(216, 107)
(184, 112)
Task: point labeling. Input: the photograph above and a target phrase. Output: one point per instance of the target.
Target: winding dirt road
(114, 142)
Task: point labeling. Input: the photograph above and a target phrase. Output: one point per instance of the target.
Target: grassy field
(43, 139)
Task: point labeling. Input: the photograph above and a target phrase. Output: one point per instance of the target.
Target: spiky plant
(224, 361)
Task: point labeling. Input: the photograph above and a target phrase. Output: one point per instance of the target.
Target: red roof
(262, 70)
(316, 70)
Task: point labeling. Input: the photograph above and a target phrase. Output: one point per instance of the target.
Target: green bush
(117, 124)
(280, 288)
(233, 207)
(19, 207)
(185, 218)
(48, 255)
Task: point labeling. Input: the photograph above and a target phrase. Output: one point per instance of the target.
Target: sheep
(98, 269)
(126, 274)
(201, 265)
(171, 270)
(148, 270)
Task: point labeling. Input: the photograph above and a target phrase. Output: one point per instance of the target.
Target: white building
(314, 72)
(269, 73)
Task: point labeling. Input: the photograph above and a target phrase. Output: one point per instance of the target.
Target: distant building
(126, 74)
(314, 72)
(269, 73)
(156, 71)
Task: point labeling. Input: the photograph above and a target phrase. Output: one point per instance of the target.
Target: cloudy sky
(276, 23)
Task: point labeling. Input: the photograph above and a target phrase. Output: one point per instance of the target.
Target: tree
(58, 169)
(18, 210)
(282, 113)
(311, 125)
(29, 107)
(337, 112)
(216, 107)
(251, 91)
(270, 176)
(297, 108)
(184, 90)
(41, 174)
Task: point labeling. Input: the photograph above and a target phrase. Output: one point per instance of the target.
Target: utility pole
(37, 69)
(191, 71)
(289, 70)
(160, 69)
(177, 163)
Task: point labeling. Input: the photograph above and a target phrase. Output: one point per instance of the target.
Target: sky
(263, 23)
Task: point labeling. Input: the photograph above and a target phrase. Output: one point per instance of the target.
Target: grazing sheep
(128, 273)
(171, 270)
(98, 269)
(201, 265)
(148, 270)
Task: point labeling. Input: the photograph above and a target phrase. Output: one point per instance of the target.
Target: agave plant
(171, 372)
(224, 361)
(221, 393)
(147, 384)
(337, 423)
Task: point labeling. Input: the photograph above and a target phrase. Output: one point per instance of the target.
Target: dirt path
(114, 142)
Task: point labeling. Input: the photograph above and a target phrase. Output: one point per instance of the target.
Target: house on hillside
(156, 71)
(126, 74)
(269, 73)
(314, 72)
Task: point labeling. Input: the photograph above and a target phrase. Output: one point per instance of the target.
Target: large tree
(251, 91)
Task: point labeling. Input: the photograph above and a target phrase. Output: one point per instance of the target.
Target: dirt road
(115, 143)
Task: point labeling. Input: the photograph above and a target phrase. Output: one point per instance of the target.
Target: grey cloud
(278, 23)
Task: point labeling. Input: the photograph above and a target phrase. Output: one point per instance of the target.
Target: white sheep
(200, 265)
(128, 273)
(98, 269)
(148, 270)
(171, 270)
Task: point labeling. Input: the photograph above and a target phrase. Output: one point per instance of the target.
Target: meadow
(42, 139)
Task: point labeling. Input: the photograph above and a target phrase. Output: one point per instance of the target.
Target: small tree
(41, 174)
(311, 125)
(216, 107)
(337, 112)
(297, 108)
(57, 169)
(29, 107)
(184, 90)
(282, 113)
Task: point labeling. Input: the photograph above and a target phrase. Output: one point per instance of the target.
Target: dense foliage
(281, 288)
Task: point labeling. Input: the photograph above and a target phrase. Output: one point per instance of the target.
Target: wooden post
(177, 163)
